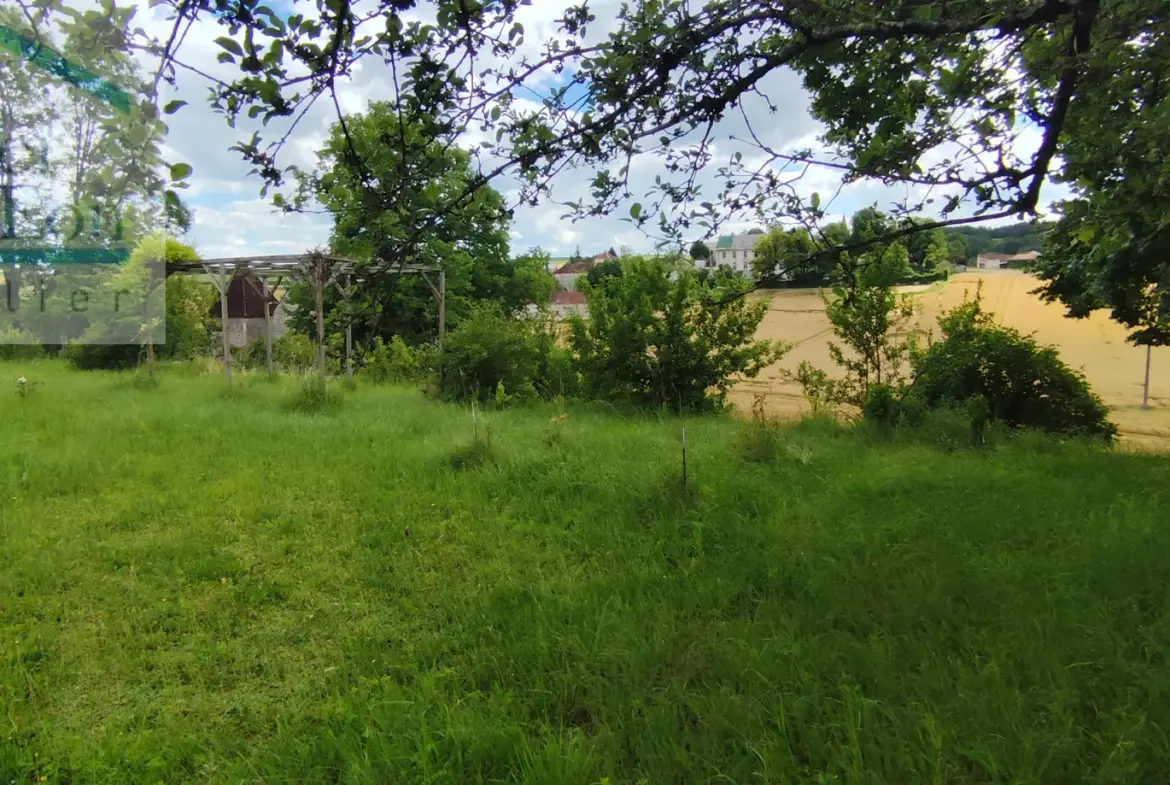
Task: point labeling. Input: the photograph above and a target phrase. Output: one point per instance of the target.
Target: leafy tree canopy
(357, 171)
(967, 242)
(934, 95)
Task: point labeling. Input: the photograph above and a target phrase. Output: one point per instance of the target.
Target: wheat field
(1096, 346)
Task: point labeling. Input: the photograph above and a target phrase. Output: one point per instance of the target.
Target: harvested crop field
(1096, 346)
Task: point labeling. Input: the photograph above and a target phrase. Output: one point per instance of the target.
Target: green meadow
(208, 586)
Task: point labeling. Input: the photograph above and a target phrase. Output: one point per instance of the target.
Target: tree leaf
(173, 106)
(635, 210)
(230, 45)
(180, 171)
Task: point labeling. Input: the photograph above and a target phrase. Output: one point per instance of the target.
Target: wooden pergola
(320, 271)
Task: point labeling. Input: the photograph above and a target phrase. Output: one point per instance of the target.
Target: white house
(565, 304)
(735, 251)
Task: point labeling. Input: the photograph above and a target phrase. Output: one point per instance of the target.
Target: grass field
(202, 587)
(1096, 346)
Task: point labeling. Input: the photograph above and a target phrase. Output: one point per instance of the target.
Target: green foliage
(292, 353)
(501, 398)
(927, 251)
(868, 318)
(17, 345)
(805, 258)
(699, 250)
(1020, 383)
(313, 396)
(980, 413)
(188, 328)
(822, 392)
(652, 341)
(396, 362)
(469, 242)
(476, 454)
(786, 254)
(599, 272)
(967, 242)
(187, 303)
(1109, 252)
(881, 405)
(491, 349)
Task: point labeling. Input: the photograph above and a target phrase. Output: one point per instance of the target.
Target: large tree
(358, 170)
(1109, 250)
(81, 173)
(973, 104)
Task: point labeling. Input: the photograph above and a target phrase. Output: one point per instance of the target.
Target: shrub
(490, 349)
(99, 356)
(1022, 383)
(479, 452)
(396, 362)
(17, 345)
(294, 352)
(314, 397)
(868, 318)
(653, 341)
(881, 406)
(186, 306)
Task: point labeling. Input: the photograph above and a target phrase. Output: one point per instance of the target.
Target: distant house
(246, 311)
(735, 251)
(565, 304)
(567, 274)
(1001, 261)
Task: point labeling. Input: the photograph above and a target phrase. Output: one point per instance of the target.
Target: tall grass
(211, 589)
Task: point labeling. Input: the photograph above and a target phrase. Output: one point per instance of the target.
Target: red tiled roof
(568, 298)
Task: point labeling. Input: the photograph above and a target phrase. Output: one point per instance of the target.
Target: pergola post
(349, 353)
(442, 318)
(1146, 387)
(319, 306)
(267, 327)
(223, 321)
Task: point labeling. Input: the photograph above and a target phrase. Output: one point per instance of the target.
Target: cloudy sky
(232, 219)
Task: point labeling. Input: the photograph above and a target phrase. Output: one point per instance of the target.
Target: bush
(490, 349)
(16, 345)
(314, 397)
(187, 305)
(881, 406)
(653, 341)
(397, 362)
(294, 352)
(1023, 384)
(103, 356)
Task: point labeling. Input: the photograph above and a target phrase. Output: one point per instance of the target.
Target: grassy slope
(199, 587)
